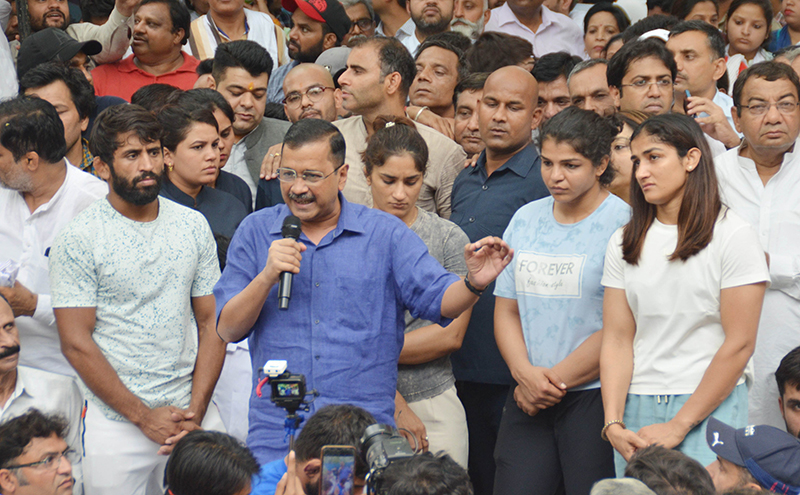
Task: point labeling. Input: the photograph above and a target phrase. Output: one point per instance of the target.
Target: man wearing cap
(760, 457)
(316, 26)
(161, 28)
(113, 36)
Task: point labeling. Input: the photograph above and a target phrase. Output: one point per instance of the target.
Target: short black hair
(459, 40)
(664, 5)
(205, 98)
(473, 82)
(659, 21)
(638, 50)
(209, 463)
(789, 371)
(766, 8)
(493, 50)
(80, 89)
(178, 13)
(682, 8)
(669, 472)
(338, 424)
(117, 120)
(394, 57)
(96, 9)
(715, 40)
(243, 54)
(426, 474)
(586, 64)
(619, 15)
(17, 433)
(205, 67)
(554, 65)
(770, 71)
(586, 132)
(32, 124)
(176, 121)
(461, 60)
(155, 96)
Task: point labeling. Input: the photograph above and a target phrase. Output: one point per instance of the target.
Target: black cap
(330, 12)
(51, 44)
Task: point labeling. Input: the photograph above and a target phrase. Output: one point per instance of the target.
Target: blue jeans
(645, 410)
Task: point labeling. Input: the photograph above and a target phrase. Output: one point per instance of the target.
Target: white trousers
(120, 460)
(232, 394)
(446, 423)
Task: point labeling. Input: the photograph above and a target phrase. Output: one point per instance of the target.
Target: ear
(780, 405)
(8, 482)
(754, 486)
(391, 83)
(615, 95)
(343, 176)
(329, 41)
(31, 161)
(408, 7)
(102, 169)
(313, 466)
(736, 123)
(168, 157)
(337, 98)
(691, 159)
(212, 83)
(84, 124)
(177, 36)
(601, 169)
(487, 14)
(719, 68)
(537, 118)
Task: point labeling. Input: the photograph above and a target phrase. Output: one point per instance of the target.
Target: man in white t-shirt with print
(132, 279)
(760, 180)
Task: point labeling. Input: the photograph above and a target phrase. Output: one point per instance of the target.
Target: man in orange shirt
(161, 28)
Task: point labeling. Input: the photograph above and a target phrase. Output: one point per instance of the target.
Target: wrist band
(605, 427)
(471, 287)
(420, 112)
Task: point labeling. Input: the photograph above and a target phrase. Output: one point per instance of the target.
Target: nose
(472, 123)
(550, 110)
(64, 466)
(641, 172)
(424, 74)
(305, 101)
(458, 9)
(399, 191)
(746, 29)
(344, 79)
(247, 100)
(557, 173)
(652, 89)
(772, 115)
(294, 33)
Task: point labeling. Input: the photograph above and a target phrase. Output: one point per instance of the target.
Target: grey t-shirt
(445, 241)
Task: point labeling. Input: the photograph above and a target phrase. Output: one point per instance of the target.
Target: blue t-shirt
(556, 274)
(266, 482)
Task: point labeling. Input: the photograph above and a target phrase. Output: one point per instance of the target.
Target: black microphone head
(291, 227)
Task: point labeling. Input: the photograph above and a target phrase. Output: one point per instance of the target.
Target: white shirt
(26, 238)
(411, 43)
(725, 102)
(557, 32)
(140, 277)
(402, 33)
(676, 304)
(774, 212)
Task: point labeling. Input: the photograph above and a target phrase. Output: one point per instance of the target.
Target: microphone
(290, 229)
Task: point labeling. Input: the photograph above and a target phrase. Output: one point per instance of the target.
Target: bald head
(508, 110)
(320, 104)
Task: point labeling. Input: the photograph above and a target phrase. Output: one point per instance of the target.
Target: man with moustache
(467, 98)
(430, 17)
(23, 388)
(114, 35)
(588, 87)
(469, 17)
(160, 29)
(316, 26)
(132, 279)
(41, 193)
(485, 197)
(440, 67)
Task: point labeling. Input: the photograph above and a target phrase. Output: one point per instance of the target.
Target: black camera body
(288, 390)
(380, 446)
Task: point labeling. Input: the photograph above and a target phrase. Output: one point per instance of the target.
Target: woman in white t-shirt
(685, 280)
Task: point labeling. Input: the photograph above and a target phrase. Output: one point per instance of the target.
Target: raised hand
(486, 259)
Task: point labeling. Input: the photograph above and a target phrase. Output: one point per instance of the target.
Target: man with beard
(469, 17)
(310, 94)
(36, 15)
(440, 67)
(316, 26)
(160, 29)
(41, 192)
(430, 17)
(23, 388)
(132, 279)
(588, 88)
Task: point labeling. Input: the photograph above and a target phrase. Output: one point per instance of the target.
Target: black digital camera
(380, 446)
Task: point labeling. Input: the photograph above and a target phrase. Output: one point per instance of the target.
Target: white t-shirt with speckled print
(140, 277)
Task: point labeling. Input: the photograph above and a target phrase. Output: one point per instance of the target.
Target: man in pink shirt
(161, 28)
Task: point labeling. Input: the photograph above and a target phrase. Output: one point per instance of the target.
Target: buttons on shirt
(471, 219)
(317, 284)
(484, 187)
(316, 322)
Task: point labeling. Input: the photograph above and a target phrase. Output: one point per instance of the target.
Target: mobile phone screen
(338, 467)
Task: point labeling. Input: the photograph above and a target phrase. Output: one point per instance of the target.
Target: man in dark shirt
(507, 176)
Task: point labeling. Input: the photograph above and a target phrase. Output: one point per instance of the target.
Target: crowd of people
(555, 244)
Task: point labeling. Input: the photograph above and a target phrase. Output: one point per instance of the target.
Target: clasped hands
(669, 435)
(167, 425)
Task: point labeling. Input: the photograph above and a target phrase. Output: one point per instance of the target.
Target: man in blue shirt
(485, 197)
(355, 271)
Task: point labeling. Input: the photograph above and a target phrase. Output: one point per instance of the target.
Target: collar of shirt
(223, 34)
(19, 389)
(506, 16)
(748, 163)
(403, 31)
(521, 163)
(87, 163)
(181, 197)
(347, 221)
(127, 65)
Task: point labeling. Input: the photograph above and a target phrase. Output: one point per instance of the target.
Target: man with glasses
(759, 180)
(641, 76)
(23, 388)
(362, 19)
(34, 458)
(355, 270)
(310, 94)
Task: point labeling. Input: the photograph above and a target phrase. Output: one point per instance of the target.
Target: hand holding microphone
(284, 260)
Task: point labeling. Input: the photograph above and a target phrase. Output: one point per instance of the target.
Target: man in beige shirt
(368, 93)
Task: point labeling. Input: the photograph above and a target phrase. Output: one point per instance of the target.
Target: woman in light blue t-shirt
(548, 315)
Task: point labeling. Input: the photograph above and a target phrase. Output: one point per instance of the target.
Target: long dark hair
(701, 203)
